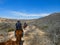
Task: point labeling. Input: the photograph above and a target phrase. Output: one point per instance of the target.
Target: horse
(19, 34)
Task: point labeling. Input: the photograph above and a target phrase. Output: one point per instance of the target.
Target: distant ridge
(51, 20)
(51, 17)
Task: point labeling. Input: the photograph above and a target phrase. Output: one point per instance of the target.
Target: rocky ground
(32, 36)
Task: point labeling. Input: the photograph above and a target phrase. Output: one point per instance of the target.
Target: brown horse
(19, 34)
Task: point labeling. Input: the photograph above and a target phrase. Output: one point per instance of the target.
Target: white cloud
(26, 15)
(20, 15)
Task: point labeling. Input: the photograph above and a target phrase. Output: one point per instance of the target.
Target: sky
(28, 9)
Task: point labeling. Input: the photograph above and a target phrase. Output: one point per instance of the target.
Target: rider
(25, 25)
(19, 26)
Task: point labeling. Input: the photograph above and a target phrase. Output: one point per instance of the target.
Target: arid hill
(50, 25)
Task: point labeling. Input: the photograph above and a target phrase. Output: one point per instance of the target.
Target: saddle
(19, 33)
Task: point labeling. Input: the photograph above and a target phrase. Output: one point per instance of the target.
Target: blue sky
(28, 9)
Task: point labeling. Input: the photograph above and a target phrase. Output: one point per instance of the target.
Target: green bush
(45, 27)
(10, 29)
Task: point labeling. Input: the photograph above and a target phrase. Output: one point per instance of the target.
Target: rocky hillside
(51, 25)
(48, 21)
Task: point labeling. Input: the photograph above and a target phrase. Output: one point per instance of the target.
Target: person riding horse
(19, 31)
(25, 25)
